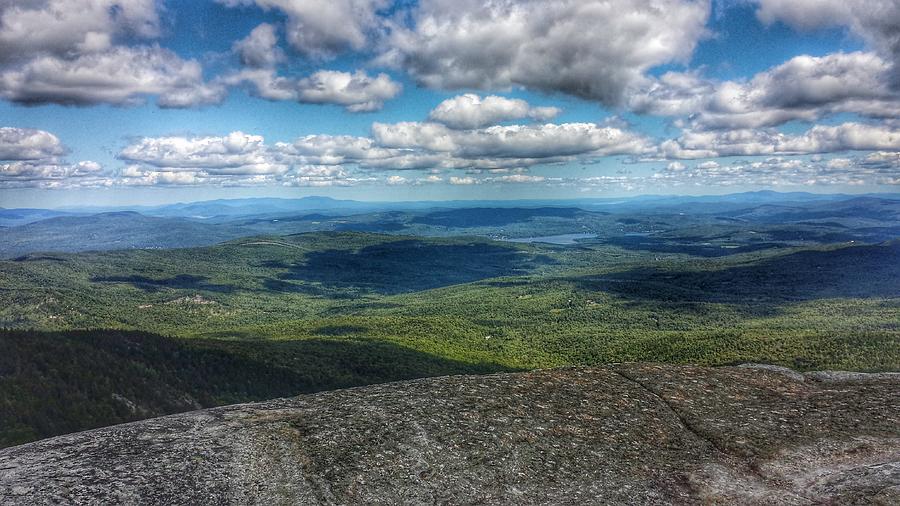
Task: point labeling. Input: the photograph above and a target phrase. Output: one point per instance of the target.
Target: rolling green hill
(117, 230)
(476, 300)
(278, 315)
(711, 228)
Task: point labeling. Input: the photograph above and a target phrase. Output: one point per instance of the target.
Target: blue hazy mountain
(14, 217)
(665, 222)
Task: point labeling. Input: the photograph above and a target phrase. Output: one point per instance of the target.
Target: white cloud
(30, 158)
(593, 49)
(41, 173)
(68, 52)
(357, 92)
(425, 146)
(414, 135)
(875, 21)
(432, 179)
(50, 174)
(120, 76)
(772, 172)
(847, 136)
(518, 178)
(818, 139)
(136, 176)
(325, 28)
(780, 172)
(471, 111)
(321, 176)
(882, 159)
(607, 183)
(514, 141)
(234, 154)
(29, 144)
(67, 28)
(237, 159)
(335, 150)
(263, 82)
(260, 48)
(240, 159)
(803, 88)
(300, 175)
(463, 181)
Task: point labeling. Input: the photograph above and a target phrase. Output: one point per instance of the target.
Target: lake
(563, 239)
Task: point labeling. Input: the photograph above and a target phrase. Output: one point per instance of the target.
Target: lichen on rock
(635, 434)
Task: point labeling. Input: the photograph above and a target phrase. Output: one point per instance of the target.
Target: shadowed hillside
(412, 265)
(854, 271)
(59, 382)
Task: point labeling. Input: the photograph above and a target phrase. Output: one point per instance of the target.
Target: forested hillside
(813, 285)
(57, 382)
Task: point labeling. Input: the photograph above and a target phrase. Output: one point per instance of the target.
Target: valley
(320, 310)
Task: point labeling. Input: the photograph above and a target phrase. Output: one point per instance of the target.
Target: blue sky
(144, 101)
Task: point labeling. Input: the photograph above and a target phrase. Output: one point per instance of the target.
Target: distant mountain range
(252, 206)
(205, 223)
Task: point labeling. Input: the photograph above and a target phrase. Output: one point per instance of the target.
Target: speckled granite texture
(627, 434)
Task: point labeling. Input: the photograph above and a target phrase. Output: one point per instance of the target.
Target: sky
(118, 102)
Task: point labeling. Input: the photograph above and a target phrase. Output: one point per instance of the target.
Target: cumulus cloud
(463, 181)
(120, 76)
(875, 21)
(236, 159)
(518, 178)
(514, 141)
(69, 52)
(420, 146)
(318, 176)
(471, 111)
(424, 146)
(764, 142)
(499, 180)
(47, 174)
(31, 158)
(67, 28)
(260, 48)
(431, 179)
(241, 157)
(325, 28)
(882, 159)
(29, 144)
(593, 49)
(357, 92)
(803, 88)
(263, 83)
(139, 175)
(233, 154)
(875, 169)
(780, 171)
(334, 149)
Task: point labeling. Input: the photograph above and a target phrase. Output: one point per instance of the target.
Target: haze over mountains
(205, 223)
